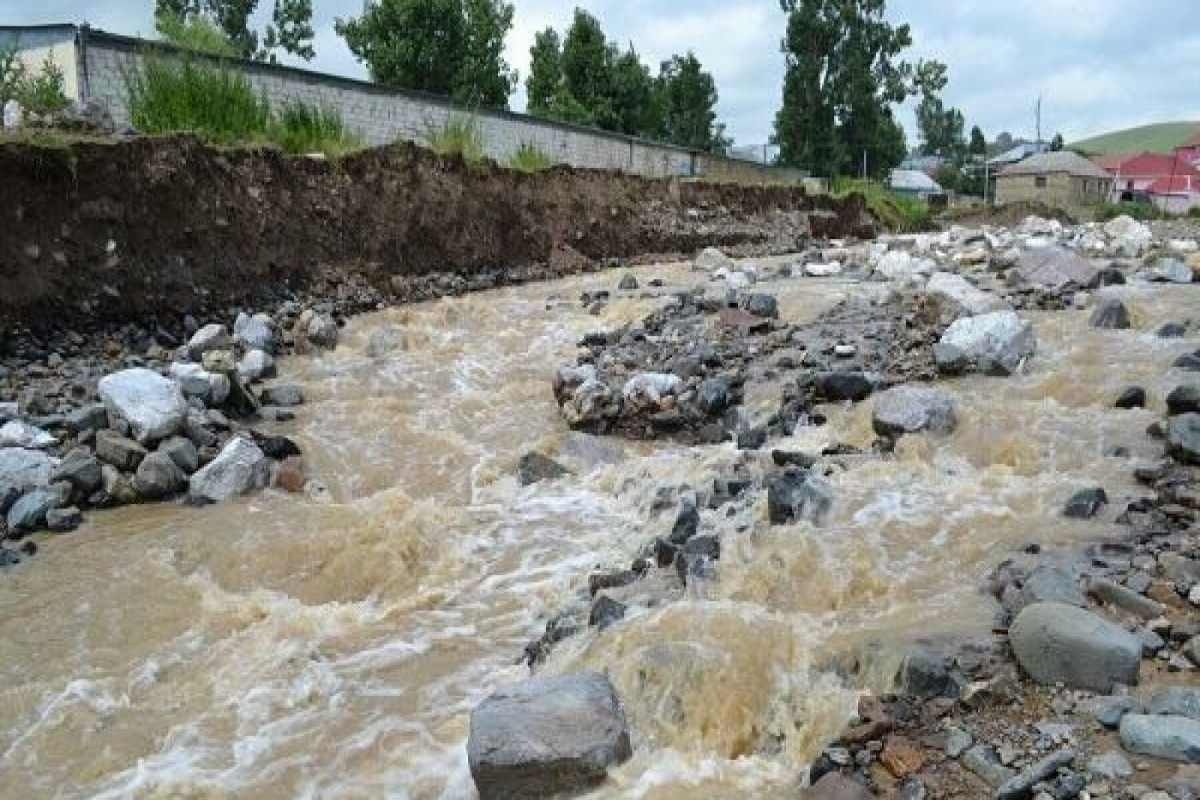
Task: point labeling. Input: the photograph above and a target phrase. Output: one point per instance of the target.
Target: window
(1040, 181)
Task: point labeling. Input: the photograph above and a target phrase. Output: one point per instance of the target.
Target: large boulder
(795, 495)
(1060, 643)
(547, 736)
(954, 296)
(1174, 738)
(210, 337)
(647, 390)
(994, 344)
(123, 453)
(897, 265)
(23, 469)
(256, 365)
(255, 332)
(16, 433)
(82, 470)
(584, 397)
(1129, 237)
(711, 259)
(1183, 400)
(239, 468)
(911, 409)
(153, 406)
(1170, 270)
(1056, 268)
(28, 513)
(1183, 438)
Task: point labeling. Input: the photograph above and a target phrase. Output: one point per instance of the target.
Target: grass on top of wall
(530, 158)
(459, 137)
(219, 104)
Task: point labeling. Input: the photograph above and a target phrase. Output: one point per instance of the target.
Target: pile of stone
(149, 435)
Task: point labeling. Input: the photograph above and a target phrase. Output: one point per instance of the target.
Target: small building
(927, 164)
(1060, 179)
(1016, 154)
(1176, 194)
(914, 183)
(1134, 174)
(1189, 151)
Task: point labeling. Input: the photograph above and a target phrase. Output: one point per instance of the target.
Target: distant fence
(102, 62)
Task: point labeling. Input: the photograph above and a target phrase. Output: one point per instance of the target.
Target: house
(1017, 154)
(927, 164)
(1062, 179)
(914, 183)
(1133, 174)
(1189, 151)
(1176, 194)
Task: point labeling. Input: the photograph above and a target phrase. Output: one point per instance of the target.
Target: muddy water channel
(321, 647)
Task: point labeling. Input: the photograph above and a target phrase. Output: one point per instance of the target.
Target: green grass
(895, 212)
(459, 137)
(1139, 211)
(38, 92)
(1161, 137)
(194, 33)
(300, 129)
(530, 158)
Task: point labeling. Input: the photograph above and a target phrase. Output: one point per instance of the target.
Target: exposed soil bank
(112, 232)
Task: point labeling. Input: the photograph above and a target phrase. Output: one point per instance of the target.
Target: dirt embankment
(118, 232)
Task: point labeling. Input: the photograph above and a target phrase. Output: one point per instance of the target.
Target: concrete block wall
(381, 115)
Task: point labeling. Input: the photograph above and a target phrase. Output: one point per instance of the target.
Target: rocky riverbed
(914, 517)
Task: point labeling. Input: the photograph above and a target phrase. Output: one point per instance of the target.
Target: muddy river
(281, 647)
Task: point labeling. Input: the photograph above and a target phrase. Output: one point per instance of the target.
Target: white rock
(1130, 237)
(647, 389)
(12, 115)
(823, 270)
(1184, 246)
(256, 365)
(956, 297)
(153, 405)
(900, 266)
(239, 468)
(21, 434)
(912, 408)
(711, 259)
(210, 337)
(255, 332)
(210, 388)
(1037, 226)
(24, 469)
(995, 344)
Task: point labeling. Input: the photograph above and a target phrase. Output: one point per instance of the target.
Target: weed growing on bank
(459, 137)
(530, 158)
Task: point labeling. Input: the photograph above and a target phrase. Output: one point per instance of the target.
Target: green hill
(1162, 137)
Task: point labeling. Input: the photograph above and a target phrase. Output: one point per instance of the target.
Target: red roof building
(1189, 151)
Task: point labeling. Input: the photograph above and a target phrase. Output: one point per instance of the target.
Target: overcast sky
(1097, 64)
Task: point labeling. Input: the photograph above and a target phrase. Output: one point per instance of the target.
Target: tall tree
(290, 29)
(545, 79)
(978, 145)
(587, 61)
(688, 101)
(450, 47)
(633, 101)
(843, 77)
(1057, 143)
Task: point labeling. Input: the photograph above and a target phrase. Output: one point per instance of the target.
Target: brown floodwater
(334, 645)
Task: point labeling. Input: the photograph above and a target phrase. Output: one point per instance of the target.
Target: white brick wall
(381, 116)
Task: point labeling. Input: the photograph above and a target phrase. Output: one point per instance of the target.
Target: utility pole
(1037, 112)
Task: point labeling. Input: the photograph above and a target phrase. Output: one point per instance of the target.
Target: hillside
(1161, 137)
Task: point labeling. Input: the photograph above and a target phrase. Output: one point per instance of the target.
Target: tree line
(845, 74)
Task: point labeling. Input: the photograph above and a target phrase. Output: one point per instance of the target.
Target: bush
(215, 102)
(530, 158)
(1142, 211)
(895, 212)
(194, 33)
(1194, 213)
(37, 93)
(300, 128)
(459, 137)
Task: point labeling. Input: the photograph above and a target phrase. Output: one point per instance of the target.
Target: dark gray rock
(88, 418)
(1108, 709)
(912, 409)
(62, 520)
(1181, 701)
(1183, 438)
(124, 454)
(794, 495)
(82, 470)
(1085, 503)
(842, 386)
(535, 467)
(1183, 400)
(1060, 643)
(713, 396)
(1189, 362)
(1117, 595)
(687, 522)
(29, 512)
(761, 305)
(1052, 585)
(546, 736)
(158, 476)
(1021, 785)
(283, 396)
(183, 452)
(1172, 330)
(1110, 315)
(628, 283)
(836, 786)
(1171, 737)
(1133, 397)
(605, 611)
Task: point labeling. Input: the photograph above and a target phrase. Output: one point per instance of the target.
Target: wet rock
(1172, 330)
(1021, 785)
(795, 496)
(285, 395)
(22, 469)
(158, 476)
(16, 433)
(123, 453)
(546, 736)
(648, 390)
(1171, 737)
(255, 366)
(687, 522)
(152, 405)
(605, 611)
(628, 283)
(319, 330)
(912, 409)
(1133, 397)
(836, 786)
(1181, 701)
(994, 344)
(1052, 585)
(1183, 400)
(62, 520)
(751, 439)
(210, 337)
(1110, 315)
(1055, 268)
(954, 296)
(535, 468)
(1189, 362)
(29, 512)
(761, 305)
(1060, 643)
(713, 396)
(585, 399)
(82, 470)
(183, 452)
(1110, 766)
(1116, 595)
(1183, 438)
(841, 386)
(386, 340)
(239, 468)
(924, 673)
(1085, 503)
(255, 332)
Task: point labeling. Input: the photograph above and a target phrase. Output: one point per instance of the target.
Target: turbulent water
(334, 647)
